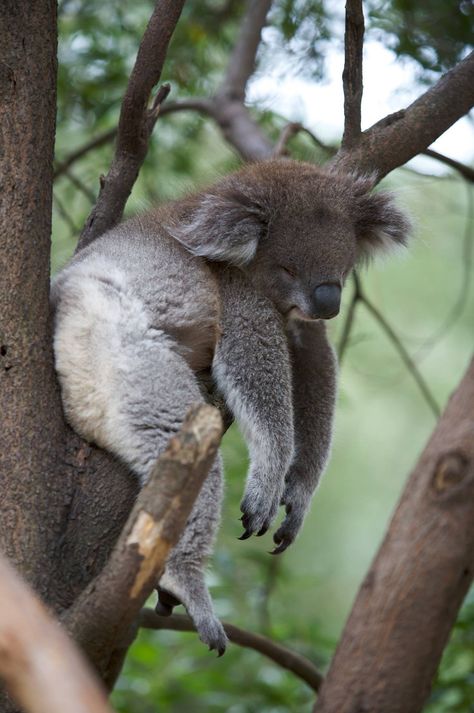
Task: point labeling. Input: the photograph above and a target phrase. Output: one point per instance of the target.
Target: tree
(69, 526)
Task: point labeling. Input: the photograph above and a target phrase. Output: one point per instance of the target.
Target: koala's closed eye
(287, 270)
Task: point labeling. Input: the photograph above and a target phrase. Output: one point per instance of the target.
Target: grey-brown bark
(31, 437)
(407, 604)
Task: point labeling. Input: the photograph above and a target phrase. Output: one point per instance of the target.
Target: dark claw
(220, 652)
(279, 549)
(246, 535)
(262, 531)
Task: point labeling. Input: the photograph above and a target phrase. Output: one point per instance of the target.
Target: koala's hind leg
(126, 388)
(314, 396)
(252, 370)
(183, 577)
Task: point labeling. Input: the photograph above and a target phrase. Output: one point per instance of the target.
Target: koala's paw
(211, 632)
(295, 508)
(259, 506)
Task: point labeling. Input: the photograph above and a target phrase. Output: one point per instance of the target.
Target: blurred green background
(302, 598)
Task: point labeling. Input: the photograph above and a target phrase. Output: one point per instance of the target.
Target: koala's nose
(326, 300)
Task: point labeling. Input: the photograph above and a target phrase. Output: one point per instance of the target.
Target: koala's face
(296, 230)
(303, 260)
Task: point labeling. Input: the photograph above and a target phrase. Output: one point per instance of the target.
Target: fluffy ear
(380, 225)
(223, 226)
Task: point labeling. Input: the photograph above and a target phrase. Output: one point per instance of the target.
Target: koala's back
(176, 291)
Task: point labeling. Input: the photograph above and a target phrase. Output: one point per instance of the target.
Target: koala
(233, 283)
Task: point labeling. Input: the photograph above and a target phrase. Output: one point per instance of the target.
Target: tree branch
(104, 612)
(399, 137)
(352, 73)
(406, 358)
(407, 604)
(136, 121)
(192, 104)
(241, 63)
(229, 110)
(466, 171)
(284, 657)
(349, 321)
(41, 667)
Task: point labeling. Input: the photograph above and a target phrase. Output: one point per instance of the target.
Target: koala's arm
(314, 394)
(251, 368)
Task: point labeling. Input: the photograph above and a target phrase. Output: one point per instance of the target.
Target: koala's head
(297, 230)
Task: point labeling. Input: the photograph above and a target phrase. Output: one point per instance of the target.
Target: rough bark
(352, 74)
(32, 434)
(41, 667)
(400, 622)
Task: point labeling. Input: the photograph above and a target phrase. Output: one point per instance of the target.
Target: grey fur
(223, 282)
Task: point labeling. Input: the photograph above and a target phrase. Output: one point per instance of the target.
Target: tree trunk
(408, 602)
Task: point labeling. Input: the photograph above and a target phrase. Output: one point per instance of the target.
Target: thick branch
(101, 617)
(136, 121)
(242, 59)
(352, 73)
(229, 110)
(398, 138)
(41, 667)
(284, 657)
(404, 611)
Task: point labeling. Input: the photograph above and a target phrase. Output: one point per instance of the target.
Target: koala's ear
(380, 225)
(223, 226)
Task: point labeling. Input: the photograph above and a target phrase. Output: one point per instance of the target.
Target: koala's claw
(211, 632)
(246, 535)
(258, 513)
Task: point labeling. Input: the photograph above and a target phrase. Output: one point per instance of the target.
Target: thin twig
(404, 355)
(352, 73)
(90, 195)
(466, 171)
(58, 204)
(281, 655)
(290, 130)
(199, 104)
(349, 321)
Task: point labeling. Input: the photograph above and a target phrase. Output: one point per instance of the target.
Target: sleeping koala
(235, 281)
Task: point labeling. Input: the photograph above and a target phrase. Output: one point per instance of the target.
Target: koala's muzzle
(326, 300)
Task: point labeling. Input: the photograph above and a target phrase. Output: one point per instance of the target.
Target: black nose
(326, 300)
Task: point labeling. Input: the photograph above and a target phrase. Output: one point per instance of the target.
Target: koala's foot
(260, 504)
(188, 588)
(296, 505)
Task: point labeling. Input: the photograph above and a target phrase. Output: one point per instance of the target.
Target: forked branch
(396, 139)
